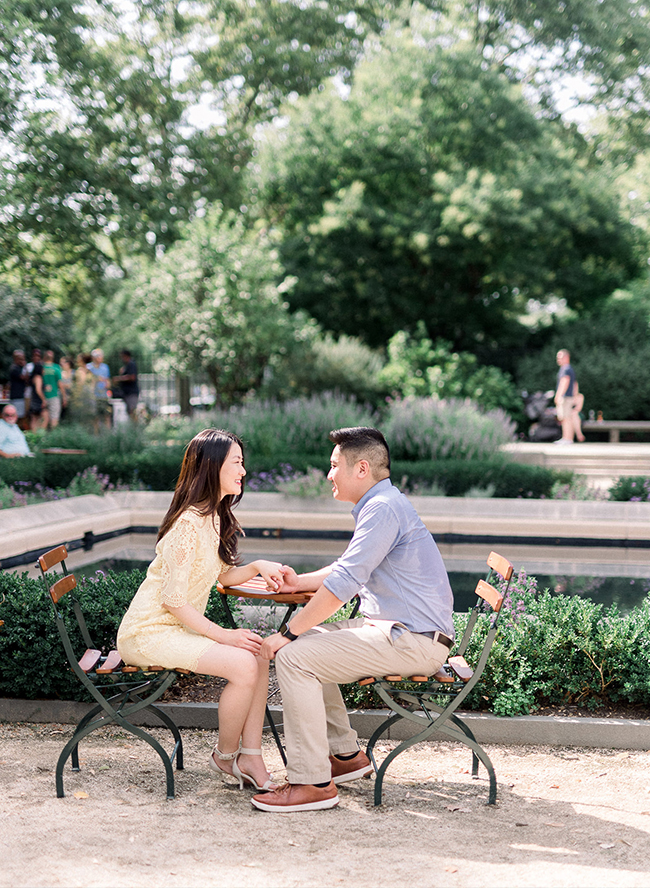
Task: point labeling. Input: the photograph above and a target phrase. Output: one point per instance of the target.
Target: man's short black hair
(126, 352)
(361, 442)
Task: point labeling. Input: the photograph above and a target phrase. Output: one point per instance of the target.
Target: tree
(433, 192)
(211, 304)
(26, 322)
(124, 121)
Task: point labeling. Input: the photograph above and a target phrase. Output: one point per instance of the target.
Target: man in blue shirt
(394, 565)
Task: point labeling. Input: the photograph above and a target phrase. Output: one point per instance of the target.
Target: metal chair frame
(120, 691)
(431, 702)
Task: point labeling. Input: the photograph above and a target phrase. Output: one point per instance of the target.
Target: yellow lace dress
(185, 568)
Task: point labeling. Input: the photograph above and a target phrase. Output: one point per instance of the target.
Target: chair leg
(276, 736)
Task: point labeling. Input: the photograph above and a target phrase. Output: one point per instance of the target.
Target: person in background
(102, 382)
(37, 411)
(55, 395)
(12, 440)
(18, 379)
(565, 396)
(67, 380)
(127, 380)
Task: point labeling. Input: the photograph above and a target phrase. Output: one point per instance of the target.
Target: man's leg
(332, 654)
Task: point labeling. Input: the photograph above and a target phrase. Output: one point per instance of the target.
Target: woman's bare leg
(242, 702)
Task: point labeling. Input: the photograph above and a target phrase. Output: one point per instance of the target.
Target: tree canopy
(432, 191)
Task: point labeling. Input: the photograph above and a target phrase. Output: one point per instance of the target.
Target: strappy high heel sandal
(226, 757)
(242, 776)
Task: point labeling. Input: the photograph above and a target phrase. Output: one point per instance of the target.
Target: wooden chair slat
(461, 667)
(154, 669)
(490, 594)
(183, 671)
(500, 564)
(366, 681)
(110, 664)
(444, 676)
(393, 678)
(90, 659)
(418, 678)
(130, 669)
(61, 587)
(54, 556)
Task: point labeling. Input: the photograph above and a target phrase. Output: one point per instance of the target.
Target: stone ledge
(525, 730)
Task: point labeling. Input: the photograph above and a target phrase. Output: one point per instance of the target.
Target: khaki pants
(310, 669)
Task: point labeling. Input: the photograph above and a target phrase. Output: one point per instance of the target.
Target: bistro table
(255, 590)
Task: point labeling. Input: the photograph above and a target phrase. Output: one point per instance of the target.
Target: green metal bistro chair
(120, 691)
(431, 702)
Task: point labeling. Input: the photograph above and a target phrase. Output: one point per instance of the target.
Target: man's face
(10, 415)
(19, 358)
(343, 477)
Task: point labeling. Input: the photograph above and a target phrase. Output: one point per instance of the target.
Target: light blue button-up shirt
(12, 440)
(394, 565)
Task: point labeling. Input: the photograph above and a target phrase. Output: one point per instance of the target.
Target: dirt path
(564, 818)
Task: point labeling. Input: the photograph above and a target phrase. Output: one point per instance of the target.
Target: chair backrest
(58, 585)
(499, 568)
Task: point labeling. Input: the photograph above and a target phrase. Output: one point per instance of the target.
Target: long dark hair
(199, 487)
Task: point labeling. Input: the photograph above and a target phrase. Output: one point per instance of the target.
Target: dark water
(625, 592)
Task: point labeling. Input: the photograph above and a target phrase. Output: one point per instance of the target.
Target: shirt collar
(380, 486)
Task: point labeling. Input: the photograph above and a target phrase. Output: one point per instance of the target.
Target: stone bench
(615, 427)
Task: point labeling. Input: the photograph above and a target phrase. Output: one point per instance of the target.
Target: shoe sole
(353, 775)
(306, 806)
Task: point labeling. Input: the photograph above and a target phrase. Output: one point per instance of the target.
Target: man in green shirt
(53, 388)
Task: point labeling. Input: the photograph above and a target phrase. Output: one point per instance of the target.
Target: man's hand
(272, 644)
(290, 580)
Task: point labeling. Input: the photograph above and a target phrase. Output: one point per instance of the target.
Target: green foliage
(427, 428)
(610, 353)
(320, 363)
(212, 306)
(558, 649)
(27, 322)
(418, 367)
(164, 101)
(434, 192)
(457, 477)
(634, 489)
(34, 662)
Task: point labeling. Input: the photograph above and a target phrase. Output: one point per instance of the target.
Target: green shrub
(34, 664)
(509, 480)
(631, 490)
(559, 649)
(427, 428)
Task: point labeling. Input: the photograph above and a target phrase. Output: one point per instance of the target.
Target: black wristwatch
(287, 633)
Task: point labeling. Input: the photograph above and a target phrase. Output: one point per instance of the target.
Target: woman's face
(232, 472)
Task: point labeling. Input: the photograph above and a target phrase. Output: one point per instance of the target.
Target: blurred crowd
(42, 391)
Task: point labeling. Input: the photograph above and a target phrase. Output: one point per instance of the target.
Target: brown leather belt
(439, 636)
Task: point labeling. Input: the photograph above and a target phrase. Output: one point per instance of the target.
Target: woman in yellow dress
(166, 623)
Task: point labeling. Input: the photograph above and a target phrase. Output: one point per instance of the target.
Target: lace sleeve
(178, 554)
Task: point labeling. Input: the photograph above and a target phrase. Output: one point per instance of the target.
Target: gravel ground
(565, 817)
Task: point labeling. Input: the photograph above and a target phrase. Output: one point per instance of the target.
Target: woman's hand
(243, 638)
(271, 571)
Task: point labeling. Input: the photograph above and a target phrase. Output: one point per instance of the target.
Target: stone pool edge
(524, 730)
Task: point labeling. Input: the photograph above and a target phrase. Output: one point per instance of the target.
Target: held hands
(271, 645)
(271, 571)
(289, 582)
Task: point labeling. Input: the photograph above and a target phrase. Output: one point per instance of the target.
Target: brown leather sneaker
(297, 797)
(351, 769)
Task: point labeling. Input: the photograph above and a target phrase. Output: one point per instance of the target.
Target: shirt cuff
(342, 585)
